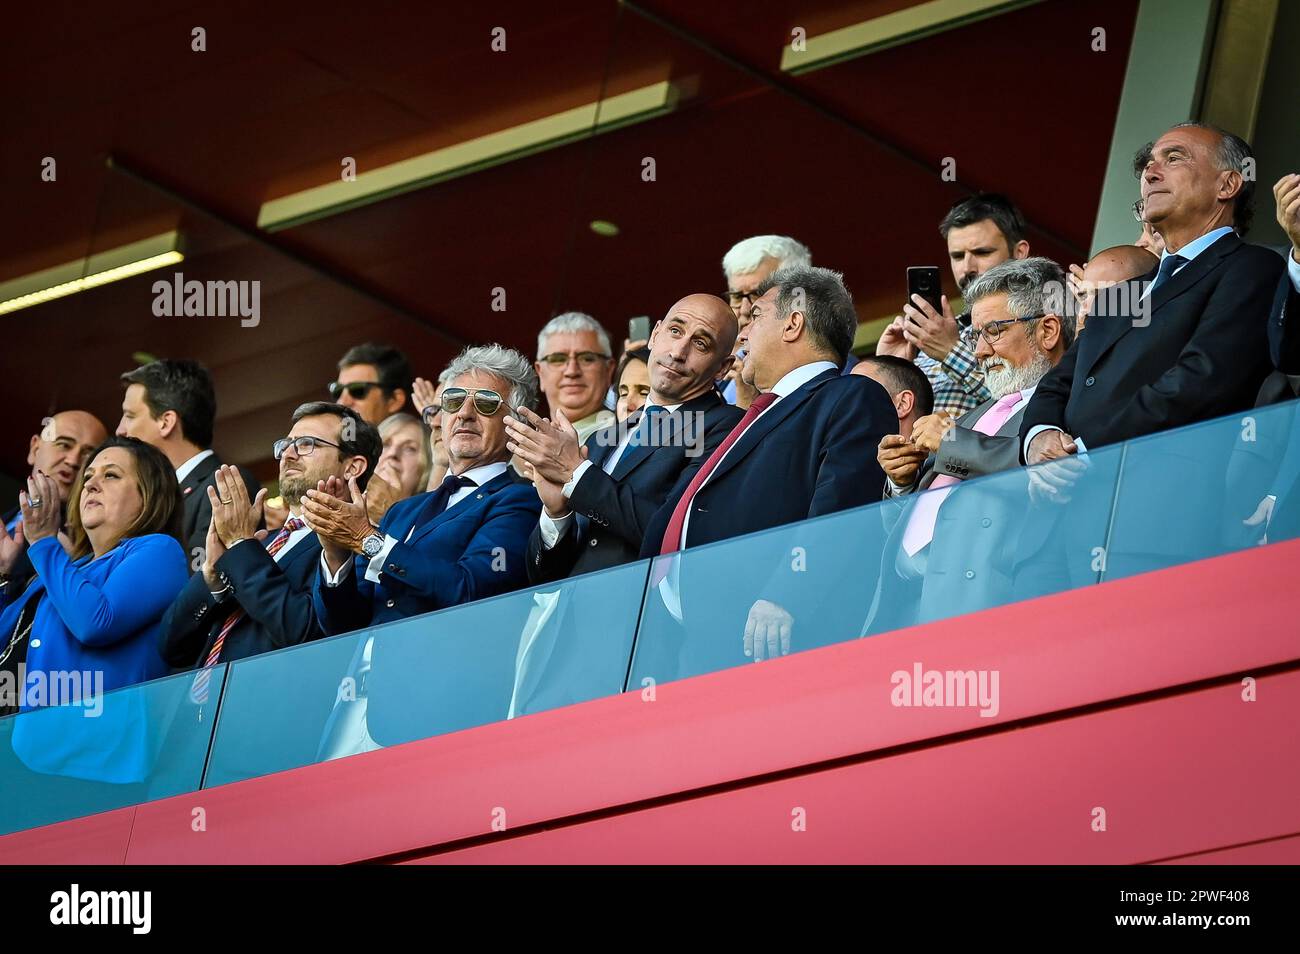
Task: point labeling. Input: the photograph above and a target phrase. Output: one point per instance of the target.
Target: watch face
(372, 544)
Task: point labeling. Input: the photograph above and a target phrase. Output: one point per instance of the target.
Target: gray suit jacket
(969, 564)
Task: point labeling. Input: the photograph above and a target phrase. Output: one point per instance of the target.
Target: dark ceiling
(845, 158)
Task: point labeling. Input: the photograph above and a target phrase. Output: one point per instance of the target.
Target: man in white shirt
(173, 406)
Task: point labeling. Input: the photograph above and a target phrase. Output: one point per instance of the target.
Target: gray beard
(1002, 383)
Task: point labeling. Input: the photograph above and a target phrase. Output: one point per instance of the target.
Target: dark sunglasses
(357, 390)
(486, 402)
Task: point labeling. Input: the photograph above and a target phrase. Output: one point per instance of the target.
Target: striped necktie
(199, 691)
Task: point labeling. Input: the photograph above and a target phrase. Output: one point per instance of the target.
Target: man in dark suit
(1192, 344)
(803, 449)
(952, 550)
(172, 405)
(64, 444)
(1186, 344)
(254, 593)
(465, 541)
(595, 510)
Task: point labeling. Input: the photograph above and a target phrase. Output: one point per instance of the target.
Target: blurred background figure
(427, 398)
(575, 367)
(747, 265)
(1120, 263)
(62, 447)
(632, 382)
(374, 380)
(1148, 238)
(94, 609)
(404, 466)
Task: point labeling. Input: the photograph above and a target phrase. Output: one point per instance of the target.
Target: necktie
(1169, 267)
(920, 525)
(199, 691)
(673, 534)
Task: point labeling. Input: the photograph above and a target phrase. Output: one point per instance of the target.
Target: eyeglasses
(357, 390)
(1138, 206)
(486, 402)
(586, 359)
(993, 330)
(302, 446)
(736, 297)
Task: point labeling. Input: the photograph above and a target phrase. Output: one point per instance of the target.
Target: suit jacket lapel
(476, 496)
(768, 421)
(1185, 278)
(671, 433)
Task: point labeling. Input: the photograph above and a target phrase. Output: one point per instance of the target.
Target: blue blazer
(470, 551)
(100, 615)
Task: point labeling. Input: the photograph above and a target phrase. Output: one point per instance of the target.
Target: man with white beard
(1018, 311)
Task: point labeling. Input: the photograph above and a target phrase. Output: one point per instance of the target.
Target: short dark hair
(902, 375)
(636, 354)
(827, 304)
(391, 365)
(365, 441)
(1233, 153)
(986, 205)
(161, 504)
(181, 386)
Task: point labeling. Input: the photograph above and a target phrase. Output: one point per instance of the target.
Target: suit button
(1089, 381)
(986, 522)
(391, 603)
(593, 542)
(970, 574)
(36, 644)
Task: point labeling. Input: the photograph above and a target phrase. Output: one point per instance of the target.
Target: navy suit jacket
(616, 508)
(1200, 352)
(813, 452)
(1284, 326)
(470, 551)
(275, 597)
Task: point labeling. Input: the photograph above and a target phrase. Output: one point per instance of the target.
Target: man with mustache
(1020, 338)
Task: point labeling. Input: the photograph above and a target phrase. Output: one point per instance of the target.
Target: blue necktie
(1169, 266)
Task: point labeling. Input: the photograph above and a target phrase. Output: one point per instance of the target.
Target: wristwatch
(371, 546)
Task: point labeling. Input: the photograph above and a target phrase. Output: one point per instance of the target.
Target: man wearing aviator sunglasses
(374, 380)
(464, 541)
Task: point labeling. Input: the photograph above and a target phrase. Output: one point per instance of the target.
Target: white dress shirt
(552, 528)
(480, 475)
(185, 469)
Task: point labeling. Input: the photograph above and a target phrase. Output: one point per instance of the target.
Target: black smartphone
(924, 280)
(638, 329)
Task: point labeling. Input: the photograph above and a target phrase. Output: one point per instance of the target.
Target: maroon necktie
(673, 535)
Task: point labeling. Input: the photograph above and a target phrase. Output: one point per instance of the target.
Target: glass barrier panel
(466, 666)
(110, 750)
(907, 560)
(1206, 490)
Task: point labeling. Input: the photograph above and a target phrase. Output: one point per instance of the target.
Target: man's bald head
(1120, 263)
(64, 443)
(691, 348)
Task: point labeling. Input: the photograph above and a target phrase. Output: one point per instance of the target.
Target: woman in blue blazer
(95, 608)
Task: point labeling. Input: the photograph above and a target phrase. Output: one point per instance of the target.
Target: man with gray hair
(575, 367)
(746, 266)
(1022, 330)
(419, 559)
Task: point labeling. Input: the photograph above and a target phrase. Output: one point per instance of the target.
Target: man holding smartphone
(981, 231)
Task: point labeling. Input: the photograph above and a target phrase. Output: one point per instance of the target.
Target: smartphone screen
(638, 329)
